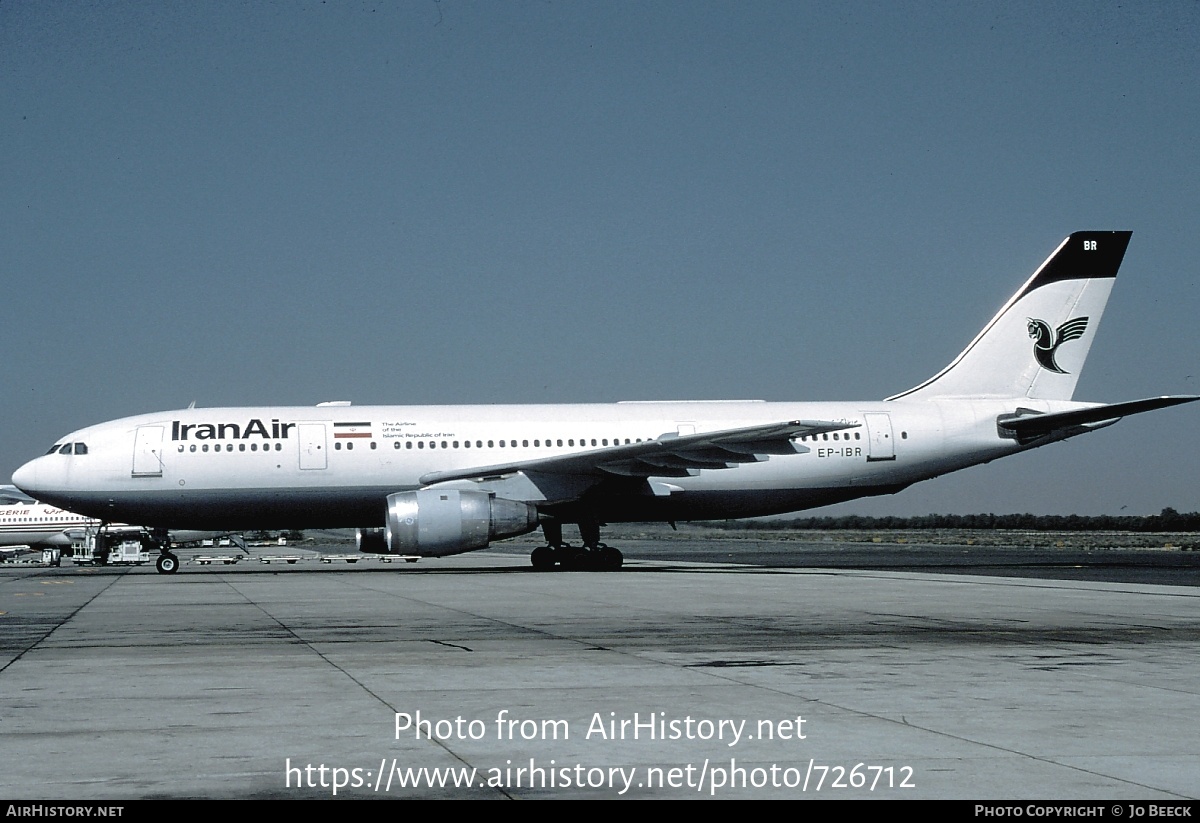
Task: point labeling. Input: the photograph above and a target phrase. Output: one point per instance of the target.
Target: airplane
(37, 525)
(431, 481)
(26, 523)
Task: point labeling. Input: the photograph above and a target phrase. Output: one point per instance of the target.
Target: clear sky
(483, 202)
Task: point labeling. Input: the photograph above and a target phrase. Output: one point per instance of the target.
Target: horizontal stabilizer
(1028, 428)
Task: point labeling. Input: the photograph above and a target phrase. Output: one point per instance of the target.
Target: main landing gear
(591, 556)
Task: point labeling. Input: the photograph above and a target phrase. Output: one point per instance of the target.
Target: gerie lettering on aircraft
(439, 480)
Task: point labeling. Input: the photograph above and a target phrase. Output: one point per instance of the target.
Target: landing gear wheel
(609, 559)
(167, 563)
(573, 558)
(543, 558)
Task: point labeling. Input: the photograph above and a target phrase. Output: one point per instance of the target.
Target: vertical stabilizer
(1035, 346)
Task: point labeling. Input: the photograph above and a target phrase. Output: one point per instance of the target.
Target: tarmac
(476, 677)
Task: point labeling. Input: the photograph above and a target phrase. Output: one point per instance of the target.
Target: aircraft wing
(671, 455)
(1028, 428)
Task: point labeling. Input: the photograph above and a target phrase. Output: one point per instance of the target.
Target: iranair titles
(231, 431)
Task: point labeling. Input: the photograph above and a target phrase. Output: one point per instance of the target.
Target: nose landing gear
(167, 563)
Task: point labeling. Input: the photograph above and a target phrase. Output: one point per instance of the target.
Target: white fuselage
(37, 524)
(333, 466)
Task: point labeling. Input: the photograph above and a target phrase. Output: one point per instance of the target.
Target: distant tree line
(1168, 520)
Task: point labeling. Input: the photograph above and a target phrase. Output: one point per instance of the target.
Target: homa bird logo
(1046, 342)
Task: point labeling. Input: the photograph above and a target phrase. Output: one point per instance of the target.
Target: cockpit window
(69, 448)
(54, 448)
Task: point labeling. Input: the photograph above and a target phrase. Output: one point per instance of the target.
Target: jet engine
(438, 522)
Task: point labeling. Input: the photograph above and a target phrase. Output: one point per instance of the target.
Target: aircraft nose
(25, 478)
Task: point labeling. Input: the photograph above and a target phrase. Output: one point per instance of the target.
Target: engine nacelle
(438, 522)
(371, 541)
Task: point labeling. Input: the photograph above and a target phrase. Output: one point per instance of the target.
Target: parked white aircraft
(37, 525)
(439, 480)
